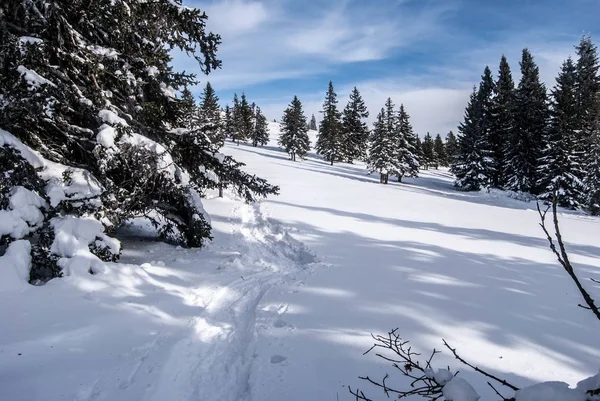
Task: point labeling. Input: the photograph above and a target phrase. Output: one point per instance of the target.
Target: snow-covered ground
(281, 305)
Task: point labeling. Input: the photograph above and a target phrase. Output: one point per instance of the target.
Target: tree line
(390, 147)
(528, 140)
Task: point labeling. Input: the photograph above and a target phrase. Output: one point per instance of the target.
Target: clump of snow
(441, 377)
(106, 136)
(194, 199)
(82, 184)
(110, 117)
(23, 215)
(167, 90)
(15, 266)
(73, 236)
(33, 78)
(34, 158)
(458, 389)
(550, 391)
(152, 70)
(106, 52)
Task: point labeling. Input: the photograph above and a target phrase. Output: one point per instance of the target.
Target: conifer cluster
(525, 139)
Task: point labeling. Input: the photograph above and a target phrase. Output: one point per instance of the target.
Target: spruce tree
(236, 120)
(210, 117)
(485, 124)
(527, 140)
(228, 123)
(294, 131)
(503, 108)
(355, 132)
(246, 119)
(90, 85)
(440, 151)
(560, 170)
(469, 163)
(588, 107)
(260, 134)
(313, 123)
(189, 115)
(382, 149)
(592, 177)
(451, 147)
(408, 158)
(329, 140)
(429, 155)
(419, 148)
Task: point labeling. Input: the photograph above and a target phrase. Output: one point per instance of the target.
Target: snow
(73, 235)
(23, 214)
(458, 389)
(282, 304)
(15, 266)
(550, 391)
(82, 184)
(152, 70)
(110, 117)
(106, 136)
(33, 78)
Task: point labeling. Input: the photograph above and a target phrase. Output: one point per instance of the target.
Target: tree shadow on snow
(432, 292)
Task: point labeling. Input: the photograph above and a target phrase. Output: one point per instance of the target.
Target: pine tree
(560, 169)
(527, 140)
(440, 151)
(313, 123)
(485, 124)
(503, 108)
(329, 140)
(469, 164)
(419, 149)
(236, 120)
(188, 112)
(260, 134)
(592, 177)
(451, 148)
(294, 131)
(429, 155)
(210, 117)
(228, 123)
(246, 120)
(383, 151)
(355, 131)
(92, 88)
(408, 159)
(588, 108)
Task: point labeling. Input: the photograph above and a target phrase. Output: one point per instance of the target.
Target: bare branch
(562, 256)
(483, 372)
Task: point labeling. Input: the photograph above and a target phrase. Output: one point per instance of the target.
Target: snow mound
(15, 266)
(550, 391)
(281, 246)
(23, 215)
(73, 237)
(458, 389)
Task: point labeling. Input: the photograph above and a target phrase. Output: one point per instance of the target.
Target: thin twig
(483, 372)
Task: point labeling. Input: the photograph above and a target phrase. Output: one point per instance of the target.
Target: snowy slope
(472, 268)
(280, 306)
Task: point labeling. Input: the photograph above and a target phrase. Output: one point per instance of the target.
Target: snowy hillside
(282, 303)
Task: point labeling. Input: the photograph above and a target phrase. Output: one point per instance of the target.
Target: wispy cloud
(426, 54)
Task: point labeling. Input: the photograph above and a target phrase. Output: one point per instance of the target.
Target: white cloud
(266, 41)
(236, 17)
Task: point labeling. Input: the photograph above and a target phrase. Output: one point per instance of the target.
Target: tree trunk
(400, 178)
(220, 190)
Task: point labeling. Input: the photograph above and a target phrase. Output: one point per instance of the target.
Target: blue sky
(426, 54)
